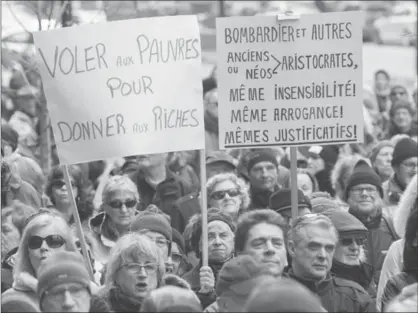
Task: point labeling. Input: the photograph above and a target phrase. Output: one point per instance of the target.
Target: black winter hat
(214, 214)
(363, 174)
(404, 149)
(261, 156)
(281, 200)
(401, 104)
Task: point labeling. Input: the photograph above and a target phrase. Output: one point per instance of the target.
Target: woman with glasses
(349, 261)
(228, 193)
(44, 234)
(120, 199)
(135, 268)
(56, 190)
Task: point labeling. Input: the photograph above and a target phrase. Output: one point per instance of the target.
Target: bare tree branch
(15, 17)
(60, 13)
(52, 6)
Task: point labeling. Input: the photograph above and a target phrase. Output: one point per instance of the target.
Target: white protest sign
(290, 82)
(123, 88)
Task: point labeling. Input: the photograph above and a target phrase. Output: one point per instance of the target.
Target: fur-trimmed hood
(407, 201)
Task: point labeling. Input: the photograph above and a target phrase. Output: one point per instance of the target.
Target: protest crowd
(352, 247)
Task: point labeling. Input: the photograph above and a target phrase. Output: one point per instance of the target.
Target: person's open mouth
(142, 286)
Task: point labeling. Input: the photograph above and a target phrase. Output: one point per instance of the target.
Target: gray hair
(129, 248)
(311, 219)
(239, 182)
(119, 182)
(43, 219)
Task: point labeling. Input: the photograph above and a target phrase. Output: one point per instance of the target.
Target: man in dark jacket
(404, 164)
(157, 184)
(263, 173)
(349, 258)
(364, 195)
(311, 245)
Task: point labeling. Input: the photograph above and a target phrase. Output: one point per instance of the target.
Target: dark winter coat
(339, 295)
(379, 238)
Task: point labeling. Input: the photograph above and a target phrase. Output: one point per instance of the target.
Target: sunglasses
(218, 195)
(60, 183)
(117, 204)
(349, 241)
(53, 241)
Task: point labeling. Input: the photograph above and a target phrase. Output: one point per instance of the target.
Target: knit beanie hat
(62, 267)
(18, 302)
(281, 200)
(9, 135)
(346, 224)
(171, 299)
(283, 295)
(363, 174)
(242, 268)
(179, 240)
(376, 149)
(261, 156)
(214, 214)
(404, 149)
(322, 204)
(149, 220)
(401, 104)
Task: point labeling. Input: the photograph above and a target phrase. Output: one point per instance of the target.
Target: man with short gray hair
(311, 245)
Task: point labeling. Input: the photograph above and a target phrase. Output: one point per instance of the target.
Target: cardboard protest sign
(290, 82)
(123, 88)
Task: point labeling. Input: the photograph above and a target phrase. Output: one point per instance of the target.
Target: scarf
(123, 303)
(361, 274)
(260, 198)
(371, 222)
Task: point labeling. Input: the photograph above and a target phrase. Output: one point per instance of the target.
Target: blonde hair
(239, 183)
(119, 182)
(129, 248)
(23, 263)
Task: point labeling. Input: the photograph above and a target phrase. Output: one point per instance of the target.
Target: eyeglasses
(60, 183)
(75, 291)
(349, 241)
(53, 241)
(219, 195)
(160, 242)
(359, 190)
(410, 165)
(400, 93)
(117, 204)
(136, 268)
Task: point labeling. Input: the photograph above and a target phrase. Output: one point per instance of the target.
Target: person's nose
(44, 246)
(142, 273)
(322, 254)
(123, 208)
(354, 246)
(269, 248)
(217, 241)
(68, 301)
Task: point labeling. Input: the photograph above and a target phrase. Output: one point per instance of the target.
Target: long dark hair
(410, 257)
